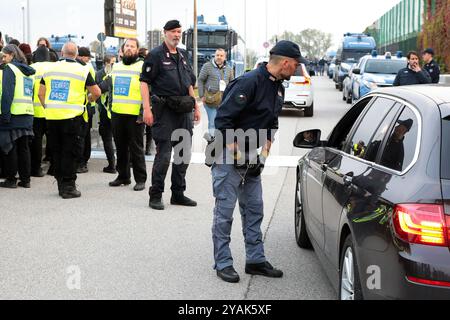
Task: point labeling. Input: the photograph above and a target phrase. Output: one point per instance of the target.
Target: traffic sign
(101, 37)
(266, 45)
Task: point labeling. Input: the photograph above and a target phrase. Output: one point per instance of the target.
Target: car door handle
(348, 180)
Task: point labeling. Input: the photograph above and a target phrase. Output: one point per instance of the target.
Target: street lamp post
(28, 23)
(23, 23)
(146, 26)
(195, 39)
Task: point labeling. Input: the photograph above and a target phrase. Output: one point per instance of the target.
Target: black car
(374, 199)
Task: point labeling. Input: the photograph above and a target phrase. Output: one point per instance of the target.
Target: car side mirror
(356, 71)
(309, 139)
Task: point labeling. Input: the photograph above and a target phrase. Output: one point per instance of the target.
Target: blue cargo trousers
(228, 188)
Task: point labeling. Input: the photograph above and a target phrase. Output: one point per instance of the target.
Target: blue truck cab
(353, 46)
(212, 37)
(375, 71)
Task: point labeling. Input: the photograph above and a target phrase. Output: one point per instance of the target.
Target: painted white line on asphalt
(199, 158)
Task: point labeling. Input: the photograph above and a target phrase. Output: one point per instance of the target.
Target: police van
(352, 48)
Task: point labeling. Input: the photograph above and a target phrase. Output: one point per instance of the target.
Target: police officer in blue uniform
(251, 104)
(412, 74)
(430, 65)
(172, 107)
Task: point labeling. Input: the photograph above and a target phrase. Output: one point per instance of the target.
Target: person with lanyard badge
(172, 110)
(41, 59)
(84, 57)
(105, 129)
(63, 94)
(212, 82)
(251, 104)
(16, 117)
(127, 124)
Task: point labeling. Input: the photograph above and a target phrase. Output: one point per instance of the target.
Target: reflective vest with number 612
(65, 96)
(22, 103)
(126, 88)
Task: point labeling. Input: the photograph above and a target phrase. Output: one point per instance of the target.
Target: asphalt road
(110, 245)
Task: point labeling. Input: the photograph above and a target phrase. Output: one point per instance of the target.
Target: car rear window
(384, 66)
(445, 152)
(402, 142)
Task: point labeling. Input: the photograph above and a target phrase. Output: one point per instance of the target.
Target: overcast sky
(85, 17)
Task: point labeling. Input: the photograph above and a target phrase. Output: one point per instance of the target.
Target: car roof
(439, 93)
(393, 58)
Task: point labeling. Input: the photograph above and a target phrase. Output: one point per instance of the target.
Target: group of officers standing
(62, 96)
(157, 91)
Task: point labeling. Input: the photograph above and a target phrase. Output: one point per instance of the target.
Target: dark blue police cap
(429, 50)
(288, 49)
(172, 24)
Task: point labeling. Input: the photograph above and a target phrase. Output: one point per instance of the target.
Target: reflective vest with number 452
(126, 90)
(22, 103)
(65, 90)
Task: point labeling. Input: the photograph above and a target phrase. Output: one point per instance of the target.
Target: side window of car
(357, 145)
(402, 142)
(374, 146)
(340, 133)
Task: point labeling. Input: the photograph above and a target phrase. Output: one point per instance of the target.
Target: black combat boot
(179, 199)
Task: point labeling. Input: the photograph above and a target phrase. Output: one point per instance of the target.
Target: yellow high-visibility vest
(41, 68)
(92, 73)
(126, 88)
(23, 93)
(65, 96)
(104, 98)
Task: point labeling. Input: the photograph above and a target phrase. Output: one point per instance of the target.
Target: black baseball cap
(84, 52)
(172, 24)
(408, 123)
(288, 49)
(429, 50)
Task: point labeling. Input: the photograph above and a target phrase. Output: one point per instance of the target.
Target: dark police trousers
(129, 139)
(87, 147)
(18, 160)
(166, 122)
(65, 138)
(39, 129)
(105, 131)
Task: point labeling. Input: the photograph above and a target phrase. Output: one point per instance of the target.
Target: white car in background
(298, 91)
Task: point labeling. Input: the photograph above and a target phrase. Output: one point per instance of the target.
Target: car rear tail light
(429, 282)
(306, 82)
(422, 224)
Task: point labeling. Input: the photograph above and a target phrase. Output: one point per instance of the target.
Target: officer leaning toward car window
(412, 74)
(252, 102)
(430, 65)
(172, 107)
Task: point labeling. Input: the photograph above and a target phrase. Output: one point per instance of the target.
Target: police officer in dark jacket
(172, 108)
(430, 65)
(251, 104)
(412, 74)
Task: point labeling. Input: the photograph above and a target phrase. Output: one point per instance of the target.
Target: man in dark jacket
(430, 65)
(412, 74)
